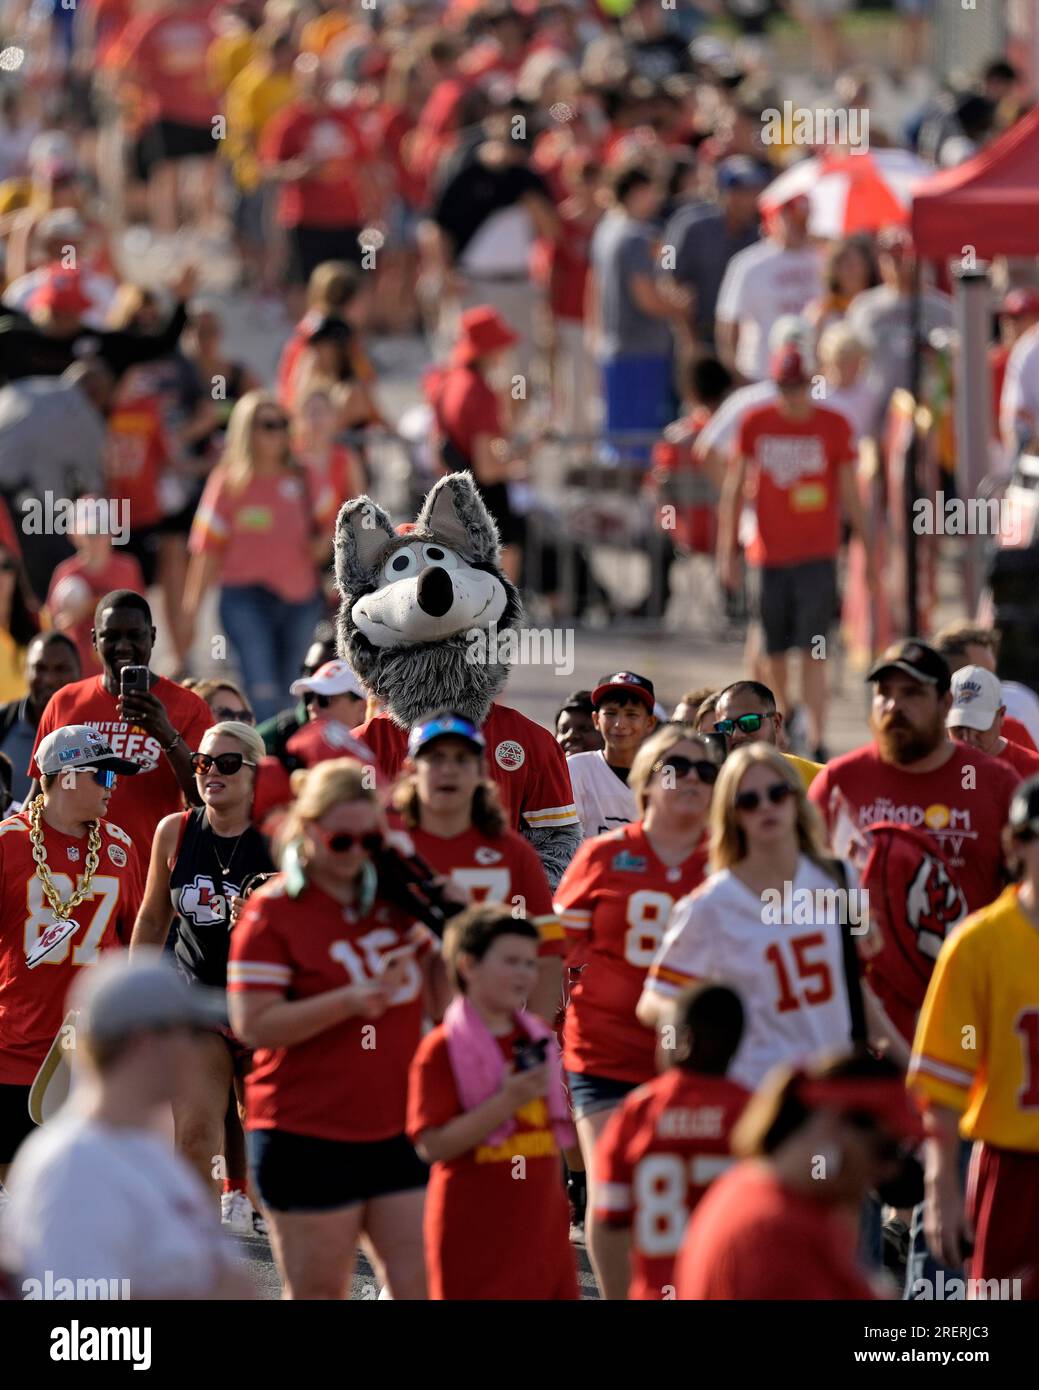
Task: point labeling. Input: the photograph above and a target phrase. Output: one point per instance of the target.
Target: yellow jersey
(254, 97)
(976, 1048)
(806, 769)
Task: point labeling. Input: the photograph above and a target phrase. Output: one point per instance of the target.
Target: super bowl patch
(117, 855)
(630, 863)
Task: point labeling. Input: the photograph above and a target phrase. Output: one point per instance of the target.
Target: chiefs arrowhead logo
(934, 904)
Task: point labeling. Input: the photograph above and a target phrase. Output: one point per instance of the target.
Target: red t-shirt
(615, 900)
(119, 572)
(496, 869)
(330, 195)
(752, 1238)
(965, 824)
(1024, 761)
(166, 54)
(523, 759)
(657, 1155)
(566, 263)
(273, 788)
(321, 739)
(136, 456)
(32, 1002)
(346, 1082)
(792, 476)
(464, 406)
(1016, 732)
(138, 803)
(529, 1255)
(688, 507)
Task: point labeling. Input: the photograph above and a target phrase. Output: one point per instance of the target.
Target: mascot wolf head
(413, 607)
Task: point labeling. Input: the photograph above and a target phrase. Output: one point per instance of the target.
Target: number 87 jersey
(32, 1002)
(614, 902)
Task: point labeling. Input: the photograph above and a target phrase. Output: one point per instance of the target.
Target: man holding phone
(146, 718)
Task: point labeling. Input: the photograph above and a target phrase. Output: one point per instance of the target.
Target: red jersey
(688, 498)
(964, 823)
(530, 1255)
(138, 803)
(1016, 732)
(32, 1002)
(793, 477)
(136, 457)
(321, 739)
(119, 572)
(331, 140)
(464, 406)
(350, 1081)
(752, 1238)
(565, 263)
(496, 869)
(524, 759)
(1023, 760)
(166, 52)
(615, 900)
(657, 1155)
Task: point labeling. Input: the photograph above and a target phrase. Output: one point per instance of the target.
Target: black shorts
(496, 500)
(15, 1123)
(295, 1172)
(143, 545)
(170, 140)
(310, 247)
(795, 604)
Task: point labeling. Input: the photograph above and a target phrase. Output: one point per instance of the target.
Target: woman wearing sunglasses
(199, 861)
(771, 920)
(330, 984)
(614, 901)
(262, 536)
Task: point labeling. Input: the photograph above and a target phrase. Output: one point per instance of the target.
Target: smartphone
(529, 1054)
(134, 680)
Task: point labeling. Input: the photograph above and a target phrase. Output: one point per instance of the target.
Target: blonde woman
(261, 534)
(770, 921)
(199, 863)
(330, 984)
(614, 902)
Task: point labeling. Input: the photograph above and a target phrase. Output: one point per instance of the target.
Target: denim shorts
(591, 1093)
(297, 1172)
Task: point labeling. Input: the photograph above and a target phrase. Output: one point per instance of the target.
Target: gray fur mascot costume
(411, 606)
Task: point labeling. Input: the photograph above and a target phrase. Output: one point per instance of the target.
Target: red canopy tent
(990, 203)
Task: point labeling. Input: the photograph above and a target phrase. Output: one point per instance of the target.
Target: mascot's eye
(401, 565)
(437, 555)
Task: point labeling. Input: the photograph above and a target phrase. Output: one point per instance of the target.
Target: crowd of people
(306, 966)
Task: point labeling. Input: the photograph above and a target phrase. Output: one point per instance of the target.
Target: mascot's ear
(363, 534)
(455, 514)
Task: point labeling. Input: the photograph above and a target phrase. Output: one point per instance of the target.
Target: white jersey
(760, 285)
(785, 961)
(603, 801)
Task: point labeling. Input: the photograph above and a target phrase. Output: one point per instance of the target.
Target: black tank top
(202, 893)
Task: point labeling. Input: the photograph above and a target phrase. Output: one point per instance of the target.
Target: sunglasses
(776, 794)
(242, 716)
(681, 767)
(225, 763)
(747, 724)
(103, 776)
(339, 841)
(272, 426)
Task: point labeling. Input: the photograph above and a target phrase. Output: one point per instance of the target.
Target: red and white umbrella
(850, 193)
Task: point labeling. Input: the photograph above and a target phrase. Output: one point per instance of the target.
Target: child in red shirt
(77, 584)
(485, 1110)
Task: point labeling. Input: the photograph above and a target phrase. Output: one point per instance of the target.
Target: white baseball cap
(79, 745)
(334, 678)
(976, 696)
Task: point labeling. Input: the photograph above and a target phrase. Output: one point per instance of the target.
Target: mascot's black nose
(436, 593)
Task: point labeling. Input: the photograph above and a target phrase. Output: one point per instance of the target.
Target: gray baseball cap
(79, 745)
(126, 994)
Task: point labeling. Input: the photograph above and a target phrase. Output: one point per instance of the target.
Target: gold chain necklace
(62, 911)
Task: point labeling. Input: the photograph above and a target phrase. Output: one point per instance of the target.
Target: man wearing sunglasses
(622, 711)
(745, 712)
(335, 705)
(70, 886)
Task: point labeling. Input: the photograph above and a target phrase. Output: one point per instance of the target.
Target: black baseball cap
(1024, 808)
(916, 659)
(625, 680)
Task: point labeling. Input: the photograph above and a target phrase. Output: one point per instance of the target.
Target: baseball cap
(333, 678)
(445, 725)
(1020, 302)
(62, 292)
(124, 994)
(625, 680)
(740, 171)
(915, 659)
(976, 695)
(1024, 808)
(787, 366)
(78, 745)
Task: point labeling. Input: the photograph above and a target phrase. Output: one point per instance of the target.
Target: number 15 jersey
(614, 902)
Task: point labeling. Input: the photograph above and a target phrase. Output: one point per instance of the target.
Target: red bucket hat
(483, 331)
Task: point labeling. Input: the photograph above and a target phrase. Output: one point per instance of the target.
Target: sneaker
(236, 1213)
(259, 1224)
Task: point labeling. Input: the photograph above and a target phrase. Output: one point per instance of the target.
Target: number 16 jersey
(614, 902)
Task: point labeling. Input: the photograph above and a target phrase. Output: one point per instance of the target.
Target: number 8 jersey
(32, 1002)
(614, 901)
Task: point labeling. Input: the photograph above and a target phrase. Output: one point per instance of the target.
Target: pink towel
(479, 1067)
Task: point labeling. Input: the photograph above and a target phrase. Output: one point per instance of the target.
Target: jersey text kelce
(977, 1042)
(497, 869)
(524, 760)
(614, 902)
(657, 1155)
(32, 1002)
